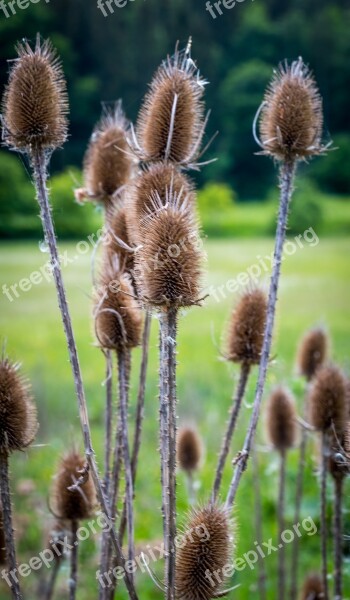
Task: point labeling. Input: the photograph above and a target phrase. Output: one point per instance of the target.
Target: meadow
(315, 289)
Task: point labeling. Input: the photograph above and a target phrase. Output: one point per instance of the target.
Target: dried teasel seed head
(116, 240)
(313, 352)
(291, 119)
(35, 103)
(207, 547)
(246, 328)
(2, 541)
(108, 164)
(78, 503)
(118, 319)
(152, 188)
(281, 419)
(168, 265)
(171, 121)
(18, 422)
(312, 588)
(328, 400)
(189, 449)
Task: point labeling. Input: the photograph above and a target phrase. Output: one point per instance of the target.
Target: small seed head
(246, 328)
(328, 400)
(189, 449)
(313, 352)
(78, 503)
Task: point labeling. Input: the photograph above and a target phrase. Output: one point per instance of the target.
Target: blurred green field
(315, 289)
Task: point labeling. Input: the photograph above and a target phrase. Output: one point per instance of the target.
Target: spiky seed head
(313, 352)
(2, 541)
(328, 400)
(170, 124)
(18, 416)
(118, 319)
(108, 164)
(291, 118)
(281, 419)
(208, 546)
(312, 588)
(78, 503)
(35, 103)
(118, 230)
(189, 449)
(246, 328)
(160, 181)
(168, 265)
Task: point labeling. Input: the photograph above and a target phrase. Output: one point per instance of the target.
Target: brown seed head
(312, 588)
(2, 541)
(281, 419)
(312, 352)
(170, 124)
(247, 327)
(189, 449)
(78, 503)
(291, 119)
(118, 319)
(117, 230)
(18, 423)
(328, 401)
(35, 103)
(108, 164)
(209, 548)
(160, 181)
(168, 265)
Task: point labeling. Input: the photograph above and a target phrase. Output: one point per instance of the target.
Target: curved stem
(73, 579)
(338, 539)
(287, 177)
(324, 466)
(10, 547)
(231, 425)
(281, 527)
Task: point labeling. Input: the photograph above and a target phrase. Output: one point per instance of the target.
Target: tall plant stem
(40, 177)
(281, 527)
(168, 325)
(259, 523)
(123, 370)
(52, 581)
(231, 425)
(287, 177)
(298, 499)
(73, 579)
(324, 466)
(7, 525)
(338, 538)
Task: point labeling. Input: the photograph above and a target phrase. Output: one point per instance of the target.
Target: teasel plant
(189, 456)
(34, 122)
(329, 413)
(73, 500)
(55, 544)
(312, 588)
(312, 354)
(282, 432)
(18, 427)
(291, 123)
(244, 344)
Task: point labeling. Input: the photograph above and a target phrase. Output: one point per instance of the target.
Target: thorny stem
(287, 177)
(40, 177)
(7, 525)
(258, 523)
(338, 538)
(281, 527)
(231, 425)
(324, 467)
(73, 579)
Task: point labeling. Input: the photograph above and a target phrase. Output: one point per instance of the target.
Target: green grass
(315, 289)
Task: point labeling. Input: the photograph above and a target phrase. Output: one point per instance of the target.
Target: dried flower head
(171, 121)
(281, 419)
(312, 588)
(207, 547)
(247, 327)
(328, 401)
(117, 241)
(189, 449)
(18, 423)
(2, 541)
(74, 493)
(312, 352)
(153, 188)
(168, 265)
(108, 164)
(291, 118)
(35, 103)
(118, 319)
